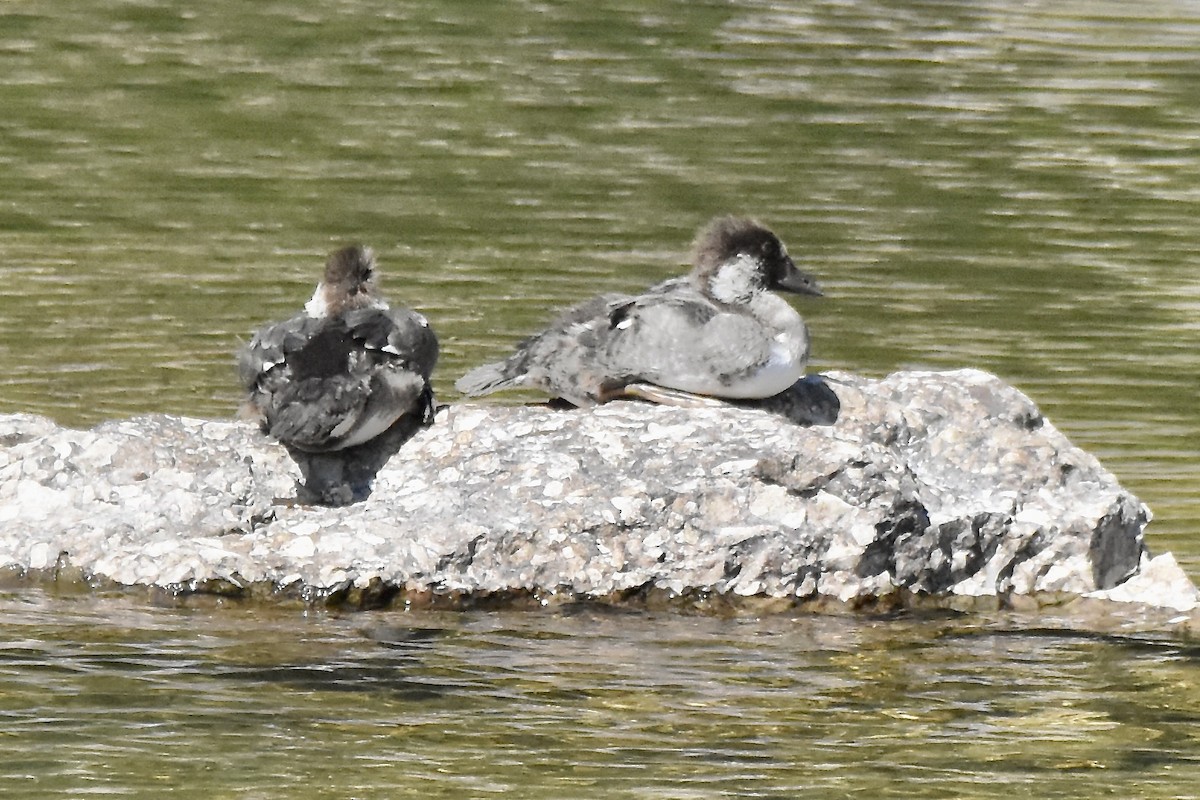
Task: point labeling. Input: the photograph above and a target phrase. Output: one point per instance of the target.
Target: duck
(341, 374)
(718, 333)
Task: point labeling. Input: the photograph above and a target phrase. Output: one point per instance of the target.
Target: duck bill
(798, 281)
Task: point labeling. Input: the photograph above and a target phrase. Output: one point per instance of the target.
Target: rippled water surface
(1006, 185)
(101, 697)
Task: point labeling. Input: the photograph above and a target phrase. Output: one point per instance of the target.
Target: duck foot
(326, 479)
(668, 397)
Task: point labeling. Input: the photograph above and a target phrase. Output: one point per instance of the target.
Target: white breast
(780, 371)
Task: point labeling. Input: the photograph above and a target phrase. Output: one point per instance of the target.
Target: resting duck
(717, 332)
(343, 373)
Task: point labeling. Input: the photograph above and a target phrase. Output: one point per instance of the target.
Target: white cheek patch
(734, 281)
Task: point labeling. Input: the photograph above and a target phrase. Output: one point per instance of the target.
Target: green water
(1005, 185)
(101, 697)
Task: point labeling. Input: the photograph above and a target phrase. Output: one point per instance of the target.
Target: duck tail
(487, 379)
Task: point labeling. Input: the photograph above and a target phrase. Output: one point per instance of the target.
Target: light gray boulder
(921, 487)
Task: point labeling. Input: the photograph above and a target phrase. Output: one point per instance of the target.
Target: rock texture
(846, 489)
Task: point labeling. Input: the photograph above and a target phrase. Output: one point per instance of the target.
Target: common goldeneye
(718, 331)
(336, 378)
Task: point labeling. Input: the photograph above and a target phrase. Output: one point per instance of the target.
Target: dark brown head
(743, 246)
(349, 283)
(351, 268)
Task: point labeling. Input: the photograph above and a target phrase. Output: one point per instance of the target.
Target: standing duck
(717, 332)
(331, 382)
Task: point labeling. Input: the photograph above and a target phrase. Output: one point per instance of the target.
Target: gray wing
(565, 360)
(676, 337)
(270, 347)
(400, 336)
(315, 382)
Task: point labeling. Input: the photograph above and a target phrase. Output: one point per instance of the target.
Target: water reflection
(102, 695)
(1010, 186)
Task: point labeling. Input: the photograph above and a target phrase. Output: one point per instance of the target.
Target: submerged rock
(923, 486)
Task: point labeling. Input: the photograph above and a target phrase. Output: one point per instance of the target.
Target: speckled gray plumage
(711, 332)
(304, 392)
(336, 382)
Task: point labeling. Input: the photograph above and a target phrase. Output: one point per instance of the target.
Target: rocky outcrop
(921, 487)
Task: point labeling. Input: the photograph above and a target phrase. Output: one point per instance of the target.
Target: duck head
(348, 283)
(735, 257)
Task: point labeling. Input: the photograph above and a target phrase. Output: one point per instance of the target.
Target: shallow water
(101, 696)
(1005, 185)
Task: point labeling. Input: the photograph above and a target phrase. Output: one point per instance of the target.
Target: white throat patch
(317, 307)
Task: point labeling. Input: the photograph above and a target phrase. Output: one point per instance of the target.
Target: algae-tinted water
(1003, 185)
(104, 697)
